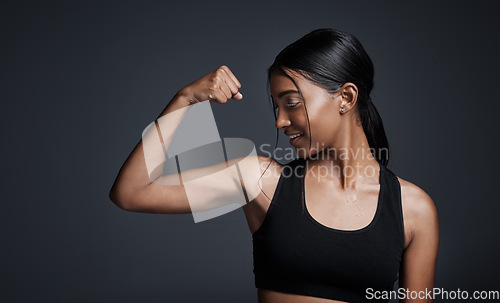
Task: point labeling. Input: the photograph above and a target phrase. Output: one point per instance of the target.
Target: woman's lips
(295, 140)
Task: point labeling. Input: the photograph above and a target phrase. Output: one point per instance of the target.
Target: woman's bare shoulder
(419, 210)
(414, 196)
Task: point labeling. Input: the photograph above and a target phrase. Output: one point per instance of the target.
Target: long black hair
(331, 58)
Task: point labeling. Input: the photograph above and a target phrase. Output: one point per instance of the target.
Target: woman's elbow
(120, 200)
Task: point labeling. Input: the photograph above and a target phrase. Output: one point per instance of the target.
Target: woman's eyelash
(291, 105)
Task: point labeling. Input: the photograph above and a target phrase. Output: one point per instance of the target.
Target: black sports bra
(294, 253)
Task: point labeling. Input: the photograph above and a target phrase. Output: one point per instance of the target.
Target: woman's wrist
(180, 100)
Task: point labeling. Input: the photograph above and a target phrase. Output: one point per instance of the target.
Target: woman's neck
(348, 162)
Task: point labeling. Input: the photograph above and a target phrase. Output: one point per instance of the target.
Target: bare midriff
(271, 296)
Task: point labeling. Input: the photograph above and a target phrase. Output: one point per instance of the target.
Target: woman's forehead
(280, 83)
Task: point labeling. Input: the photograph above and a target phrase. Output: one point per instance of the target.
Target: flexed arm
(141, 185)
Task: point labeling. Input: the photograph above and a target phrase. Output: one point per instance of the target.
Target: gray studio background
(81, 80)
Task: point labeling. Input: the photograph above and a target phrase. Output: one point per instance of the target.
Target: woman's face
(323, 110)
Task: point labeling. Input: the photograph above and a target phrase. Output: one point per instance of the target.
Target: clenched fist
(218, 86)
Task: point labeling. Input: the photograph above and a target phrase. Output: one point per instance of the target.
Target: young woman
(333, 225)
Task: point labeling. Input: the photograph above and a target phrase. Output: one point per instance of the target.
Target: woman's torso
(326, 208)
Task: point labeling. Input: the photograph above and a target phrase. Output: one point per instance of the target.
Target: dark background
(81, 80)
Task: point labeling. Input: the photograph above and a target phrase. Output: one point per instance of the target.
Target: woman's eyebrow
(290, 91)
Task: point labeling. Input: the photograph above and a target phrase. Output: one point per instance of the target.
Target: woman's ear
(349, 95)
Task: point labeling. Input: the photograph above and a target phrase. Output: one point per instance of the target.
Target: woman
(333, 225)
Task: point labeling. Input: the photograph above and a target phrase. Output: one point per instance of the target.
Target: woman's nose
(282, 121)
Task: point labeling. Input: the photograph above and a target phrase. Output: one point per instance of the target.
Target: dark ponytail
(331, 58)
(375, 133)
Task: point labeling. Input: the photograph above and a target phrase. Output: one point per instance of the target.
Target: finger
(233, 77)
(219, 84)
(229, 82)
(238, 96)
(217, 96)
(225, 89)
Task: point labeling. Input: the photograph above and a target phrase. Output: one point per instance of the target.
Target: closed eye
(292, 104)
(289, 105)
